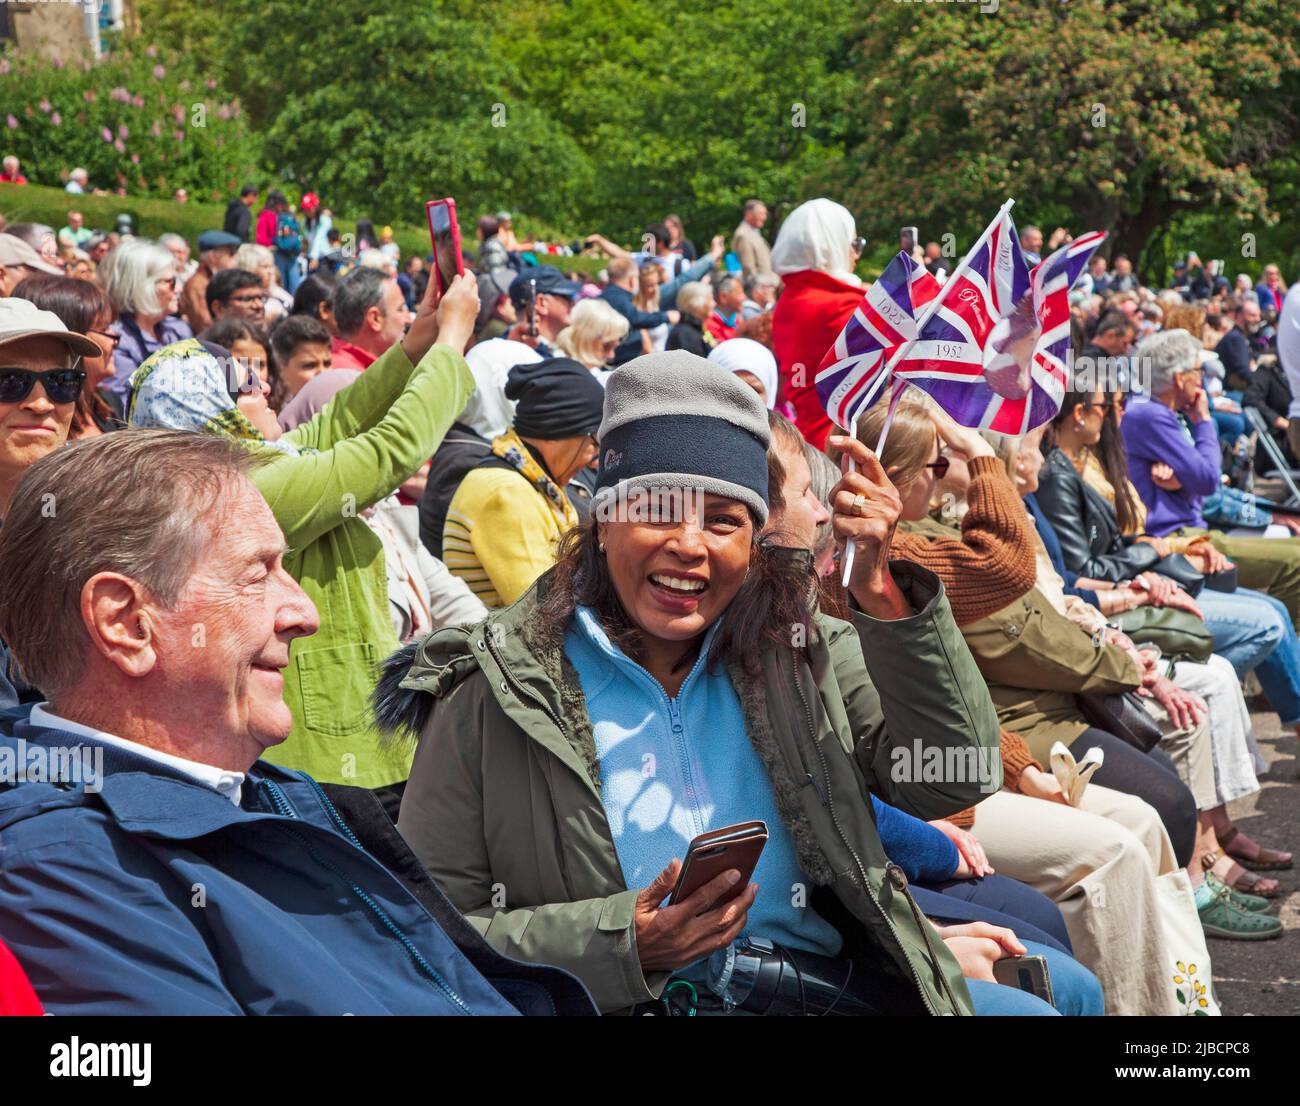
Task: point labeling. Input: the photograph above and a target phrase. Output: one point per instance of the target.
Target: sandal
(1246, 884)
(1268, 860)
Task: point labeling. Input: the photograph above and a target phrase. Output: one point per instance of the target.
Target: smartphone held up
(444, 232)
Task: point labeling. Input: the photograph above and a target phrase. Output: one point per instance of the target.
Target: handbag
(1177, 634)
(1190, 973)
(1122, 715)
(1182, 572)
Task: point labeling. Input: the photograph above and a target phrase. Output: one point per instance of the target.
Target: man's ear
(375, 318)
(117, 614)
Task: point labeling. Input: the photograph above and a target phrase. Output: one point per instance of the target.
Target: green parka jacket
(503, 804)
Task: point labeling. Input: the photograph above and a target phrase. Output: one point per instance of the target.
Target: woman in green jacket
(317, 479)
(667, 678)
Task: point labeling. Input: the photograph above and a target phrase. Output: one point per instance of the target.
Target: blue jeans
(1075, 990)
(1230, 427)
(1253, 631)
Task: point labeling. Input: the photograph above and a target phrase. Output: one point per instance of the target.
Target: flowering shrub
(137, 119)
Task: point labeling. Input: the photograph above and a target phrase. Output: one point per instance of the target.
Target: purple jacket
(134, 349)
(1153, 433)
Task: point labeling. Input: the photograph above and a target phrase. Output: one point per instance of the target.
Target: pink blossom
(223, 112)
(185, 86)
(4, 67)
(156, 129)
(151, 51)
(119, 146)
(121, 95)
(159, 72)
(122, 132)
(89, 96)
(178, 113)
(211, 82)
(137, 101)
(58, 64)
(135, 159)
(11, 122)
(45, 106)
(180, 135)
(56, 118)
(106, 134)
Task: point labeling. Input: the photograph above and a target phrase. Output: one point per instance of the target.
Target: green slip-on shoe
(1220, 918)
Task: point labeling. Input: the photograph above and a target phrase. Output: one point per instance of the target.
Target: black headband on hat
(557, 398)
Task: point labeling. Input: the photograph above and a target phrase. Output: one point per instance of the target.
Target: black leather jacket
(1085, 523)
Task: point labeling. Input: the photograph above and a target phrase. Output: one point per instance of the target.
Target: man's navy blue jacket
(157, 895)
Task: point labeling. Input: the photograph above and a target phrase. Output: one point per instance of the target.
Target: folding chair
(1281, 470)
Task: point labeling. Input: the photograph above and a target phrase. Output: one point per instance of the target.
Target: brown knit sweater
(992, 562)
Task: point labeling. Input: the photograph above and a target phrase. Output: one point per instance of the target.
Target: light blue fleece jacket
(671, 769)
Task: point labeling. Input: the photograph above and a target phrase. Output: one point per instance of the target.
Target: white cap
(23, 319)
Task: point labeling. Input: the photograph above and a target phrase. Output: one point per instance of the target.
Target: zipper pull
(816, 787)
(897, 877)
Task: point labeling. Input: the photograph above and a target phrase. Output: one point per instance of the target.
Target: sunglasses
(61, 385)
(113, 339)
(940, 467)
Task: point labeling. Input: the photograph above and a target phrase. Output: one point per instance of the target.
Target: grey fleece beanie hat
(675, 420)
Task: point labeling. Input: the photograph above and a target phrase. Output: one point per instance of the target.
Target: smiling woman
(667, 678)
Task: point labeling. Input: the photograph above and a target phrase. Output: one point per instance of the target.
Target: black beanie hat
(556, 398)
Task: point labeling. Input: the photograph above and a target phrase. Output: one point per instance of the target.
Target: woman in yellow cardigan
(510, 512)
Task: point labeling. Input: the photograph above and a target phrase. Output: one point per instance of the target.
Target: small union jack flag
(852, 374)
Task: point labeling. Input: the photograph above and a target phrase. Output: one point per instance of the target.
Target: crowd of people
(411, 634)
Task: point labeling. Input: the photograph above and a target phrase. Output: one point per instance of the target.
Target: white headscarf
(816, 235)
(746, 355)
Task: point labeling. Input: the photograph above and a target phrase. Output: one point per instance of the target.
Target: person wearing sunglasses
(40, 382)
(84, 308)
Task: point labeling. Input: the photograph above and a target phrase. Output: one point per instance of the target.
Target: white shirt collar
(221, 780)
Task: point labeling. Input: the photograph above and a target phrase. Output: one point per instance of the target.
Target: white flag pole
(926, 315)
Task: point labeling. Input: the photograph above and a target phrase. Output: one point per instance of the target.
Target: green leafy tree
(1100, 114)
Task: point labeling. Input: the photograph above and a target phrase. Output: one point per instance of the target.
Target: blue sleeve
(96, 938)
(668, 293)
(915, 846)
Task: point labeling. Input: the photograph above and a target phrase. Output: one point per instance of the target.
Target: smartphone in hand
(718, 851)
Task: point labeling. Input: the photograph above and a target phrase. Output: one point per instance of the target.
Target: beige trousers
(1098, 863)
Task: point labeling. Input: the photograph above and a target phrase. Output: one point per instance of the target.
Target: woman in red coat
(16, 994)
(814, 256)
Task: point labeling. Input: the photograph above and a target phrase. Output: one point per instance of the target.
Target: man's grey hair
(79, 174)
(354, 295)
(760, 280)
(9, 160)
(692, 297)
(726, 282)
(170, 239)
(1168, 353)
(142, 503)
(130, 274)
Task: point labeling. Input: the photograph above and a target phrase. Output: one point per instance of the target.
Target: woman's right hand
(1160, 545)
(978, 946)
(961, 439)
(670, 937)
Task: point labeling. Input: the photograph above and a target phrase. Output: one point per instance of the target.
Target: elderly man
(12, 172)
(1234, 348)
(1173, 474)
(78, 181)
(216, 254)
(18, 261)
(76, 232)
(748, 243)
(158, 866)
(176, 245)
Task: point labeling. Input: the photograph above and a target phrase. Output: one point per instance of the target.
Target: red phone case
(450, 205)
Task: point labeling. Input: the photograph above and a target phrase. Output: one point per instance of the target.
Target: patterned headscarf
(183, 386)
